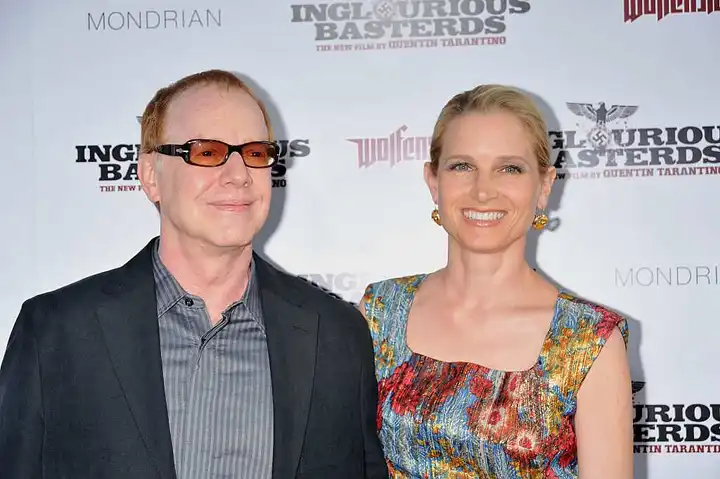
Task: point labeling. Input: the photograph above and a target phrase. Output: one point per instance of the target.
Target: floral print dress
(456, 420)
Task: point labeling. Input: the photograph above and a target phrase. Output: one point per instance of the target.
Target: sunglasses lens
(207, 153)
(259, 155)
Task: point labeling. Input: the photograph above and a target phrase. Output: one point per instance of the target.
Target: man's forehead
(215, 108)
(209, 98)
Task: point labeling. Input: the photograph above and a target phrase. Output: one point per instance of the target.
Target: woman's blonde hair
(489, 99)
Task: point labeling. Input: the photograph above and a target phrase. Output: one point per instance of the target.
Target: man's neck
(219, 276)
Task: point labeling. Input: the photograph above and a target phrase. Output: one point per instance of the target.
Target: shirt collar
(169, 291)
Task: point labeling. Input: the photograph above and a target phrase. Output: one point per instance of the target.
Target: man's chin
(211, 234)
(231, 241)
(213, 240)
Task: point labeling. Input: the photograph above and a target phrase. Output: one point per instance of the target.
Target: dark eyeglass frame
(183, 151)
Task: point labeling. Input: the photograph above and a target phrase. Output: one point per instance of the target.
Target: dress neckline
(545, 344)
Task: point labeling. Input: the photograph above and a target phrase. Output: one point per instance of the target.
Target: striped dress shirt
(217, 383)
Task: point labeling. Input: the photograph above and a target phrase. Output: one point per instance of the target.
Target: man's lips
(231, 205)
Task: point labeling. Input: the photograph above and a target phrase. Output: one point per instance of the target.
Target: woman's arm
(604, 417)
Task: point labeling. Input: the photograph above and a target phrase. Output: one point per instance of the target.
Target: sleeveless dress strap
(582, 330)
(385, 305)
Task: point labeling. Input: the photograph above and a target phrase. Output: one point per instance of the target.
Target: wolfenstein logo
(660, 9)
(393, 149)
(599, 136)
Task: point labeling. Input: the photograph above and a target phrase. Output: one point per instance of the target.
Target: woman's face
(488, 184)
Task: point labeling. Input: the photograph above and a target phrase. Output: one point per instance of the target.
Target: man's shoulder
(77, 293)
(90, 292)
(89, 289)
(337, 315)
(305, 293)
(315, 294)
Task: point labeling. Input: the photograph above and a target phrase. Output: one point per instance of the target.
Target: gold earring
(435, 215)
(540, 220)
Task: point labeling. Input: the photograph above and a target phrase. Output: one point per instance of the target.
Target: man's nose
(234, 171)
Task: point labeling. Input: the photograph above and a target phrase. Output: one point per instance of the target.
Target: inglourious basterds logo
(677, 428)
(393, 24)
(612, 141)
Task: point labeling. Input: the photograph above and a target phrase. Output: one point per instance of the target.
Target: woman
(485, 369)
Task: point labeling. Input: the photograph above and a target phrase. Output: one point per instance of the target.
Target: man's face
(221, 207)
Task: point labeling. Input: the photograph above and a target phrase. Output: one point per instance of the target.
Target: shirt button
(189, 302)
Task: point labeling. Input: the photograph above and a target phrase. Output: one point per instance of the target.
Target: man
(196, 359)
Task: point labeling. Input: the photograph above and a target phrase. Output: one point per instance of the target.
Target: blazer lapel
(130, 328)
(292, 346)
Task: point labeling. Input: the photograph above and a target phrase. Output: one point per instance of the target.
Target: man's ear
(148, 165)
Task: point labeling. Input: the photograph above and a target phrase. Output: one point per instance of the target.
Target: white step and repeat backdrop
(630, 93)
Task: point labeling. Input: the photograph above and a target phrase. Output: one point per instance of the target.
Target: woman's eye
(512, 169)
(460, 166)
